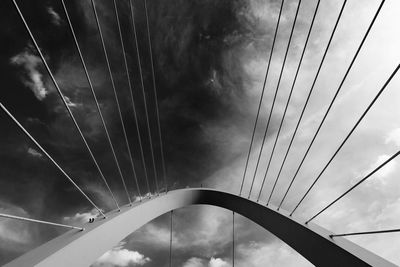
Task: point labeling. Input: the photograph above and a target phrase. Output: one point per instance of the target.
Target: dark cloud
(192, 41)
(201, 87)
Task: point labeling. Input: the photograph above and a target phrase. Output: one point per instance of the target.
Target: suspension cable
(92, 90)
(49, 157)
(354, 127)
(356, 185)
(61, 95)
(115, 95)
(273, 103)
(367, 233)
(170, 240)
(335, 96)
(261, 99)
(307, 101)
(130, 90)
(8, 216)
(142, 84)
(156, 104)
(291, 91)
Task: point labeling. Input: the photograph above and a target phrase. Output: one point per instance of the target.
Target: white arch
(82, 248)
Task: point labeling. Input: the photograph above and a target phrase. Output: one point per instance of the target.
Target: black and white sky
(210, 58)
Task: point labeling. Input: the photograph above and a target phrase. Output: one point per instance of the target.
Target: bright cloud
(56, 19)
(384, 171)
(193, 262)
(69, 102)
(120, 256)
(34, 80)
(198, 262)
(393, 137)
(217, 262)
(34, 153)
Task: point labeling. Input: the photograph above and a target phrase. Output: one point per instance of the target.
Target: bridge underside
(82, 248)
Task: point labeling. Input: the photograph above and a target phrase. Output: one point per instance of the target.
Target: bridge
(83, 244)
(83, 247)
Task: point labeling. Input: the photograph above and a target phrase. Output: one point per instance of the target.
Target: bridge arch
(82, 248)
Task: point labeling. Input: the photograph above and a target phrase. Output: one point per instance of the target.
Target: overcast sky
(210, 60)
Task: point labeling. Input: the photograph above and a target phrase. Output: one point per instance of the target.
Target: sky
(210, 59)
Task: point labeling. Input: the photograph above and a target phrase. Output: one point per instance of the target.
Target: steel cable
(91, 89)
(142, 84)
(49, 157)
(132, 100)
(261, 98)
(115, 94)
(291, 91)
(273, 103)
(307, 101)
(58, 88)
(335, 96)
(8, 216)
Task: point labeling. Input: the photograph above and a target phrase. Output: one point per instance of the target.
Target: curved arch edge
(82, 248)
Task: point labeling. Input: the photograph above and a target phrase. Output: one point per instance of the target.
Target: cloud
(274, 254)
(389, 215)
(198, 262)
(69, 102)
(217, 262)
(211, 231)
(204, 228)
(119, 256)
(194, 262)
(56, 19)
(383, 172)
(158, 235)
(34, 80)
(13, 233)
(34, 153)
(393, 137)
